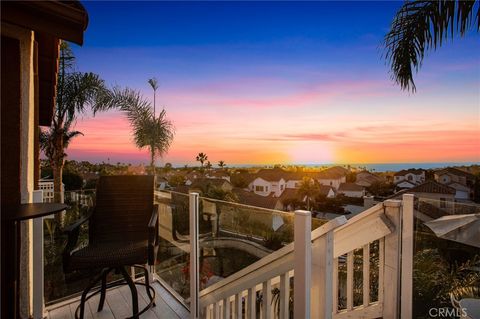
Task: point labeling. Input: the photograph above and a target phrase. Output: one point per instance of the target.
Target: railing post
(407, 256)
(302, 263)
(37, 276)
(194, 250)
(392, 263)
(323, 271)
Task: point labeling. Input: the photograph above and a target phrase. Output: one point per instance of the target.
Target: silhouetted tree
(202, 158)
(422, 25)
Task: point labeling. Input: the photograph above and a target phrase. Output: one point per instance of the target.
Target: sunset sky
(264, 83)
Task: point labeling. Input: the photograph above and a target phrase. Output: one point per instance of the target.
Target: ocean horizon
(377, 167)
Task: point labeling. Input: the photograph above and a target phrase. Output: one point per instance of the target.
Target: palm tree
(155, 133)
(309, 189)
(201, 157)
(221, 164)
(75, 92)
(208, 165)
(422, 25)
(154, 84)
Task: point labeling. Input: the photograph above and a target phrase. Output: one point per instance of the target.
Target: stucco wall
(26, 38)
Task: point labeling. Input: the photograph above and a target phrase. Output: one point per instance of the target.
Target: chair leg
(133, 290)
(103, 290)
(84, 296)
(147, 286)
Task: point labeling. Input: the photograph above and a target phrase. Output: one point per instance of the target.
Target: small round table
(11, 217)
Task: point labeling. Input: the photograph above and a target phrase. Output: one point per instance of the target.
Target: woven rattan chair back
(123, 208)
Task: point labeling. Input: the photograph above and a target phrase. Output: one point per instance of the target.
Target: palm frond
(420, 26)
(153, 83)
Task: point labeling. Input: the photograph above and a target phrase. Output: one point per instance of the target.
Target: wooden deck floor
(118, 305)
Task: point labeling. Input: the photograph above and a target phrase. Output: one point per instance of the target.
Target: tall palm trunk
(57, 168)
(58, 162)
(152, 160)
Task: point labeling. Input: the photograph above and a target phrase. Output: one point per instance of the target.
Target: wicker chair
(123, 231)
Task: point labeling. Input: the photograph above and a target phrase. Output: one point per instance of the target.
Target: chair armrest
(153, 226)
(153, 237)
(71, 228)
(72, 232)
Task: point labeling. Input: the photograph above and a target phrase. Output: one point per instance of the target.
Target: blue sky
(239, 79)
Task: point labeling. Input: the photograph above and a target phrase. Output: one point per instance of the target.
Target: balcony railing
(224, 259)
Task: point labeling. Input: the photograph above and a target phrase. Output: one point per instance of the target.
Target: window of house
(259, 188)
(266, 188)
(443, 203)
(409, 177)
(331, 183)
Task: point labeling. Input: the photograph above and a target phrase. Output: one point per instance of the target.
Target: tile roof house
(327, 191)
(192, 176)
(351, 190)
(366, 179)
(407, 178)
(330, 177)
(219, 173)
(252, 199)
(269, 181)
(432, 194)
(460, 180)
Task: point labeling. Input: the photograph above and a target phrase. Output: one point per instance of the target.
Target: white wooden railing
(317, 259)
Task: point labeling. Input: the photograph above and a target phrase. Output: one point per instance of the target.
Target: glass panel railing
(241, 235)
(446, 266)
(231, 235)
(58, 284)
(172, 265)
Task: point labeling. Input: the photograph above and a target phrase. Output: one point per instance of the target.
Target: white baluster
(366, 275)
(226, 308)
(266, 299)
(284, 295)
(251, 303)
(350, 280)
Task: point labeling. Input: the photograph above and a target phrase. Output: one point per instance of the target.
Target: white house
(263, 187)
(293, 180)
(461, 191)
(351, 190)
(330, 178)
(457, 179)
(268, 181)
(413, 176)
